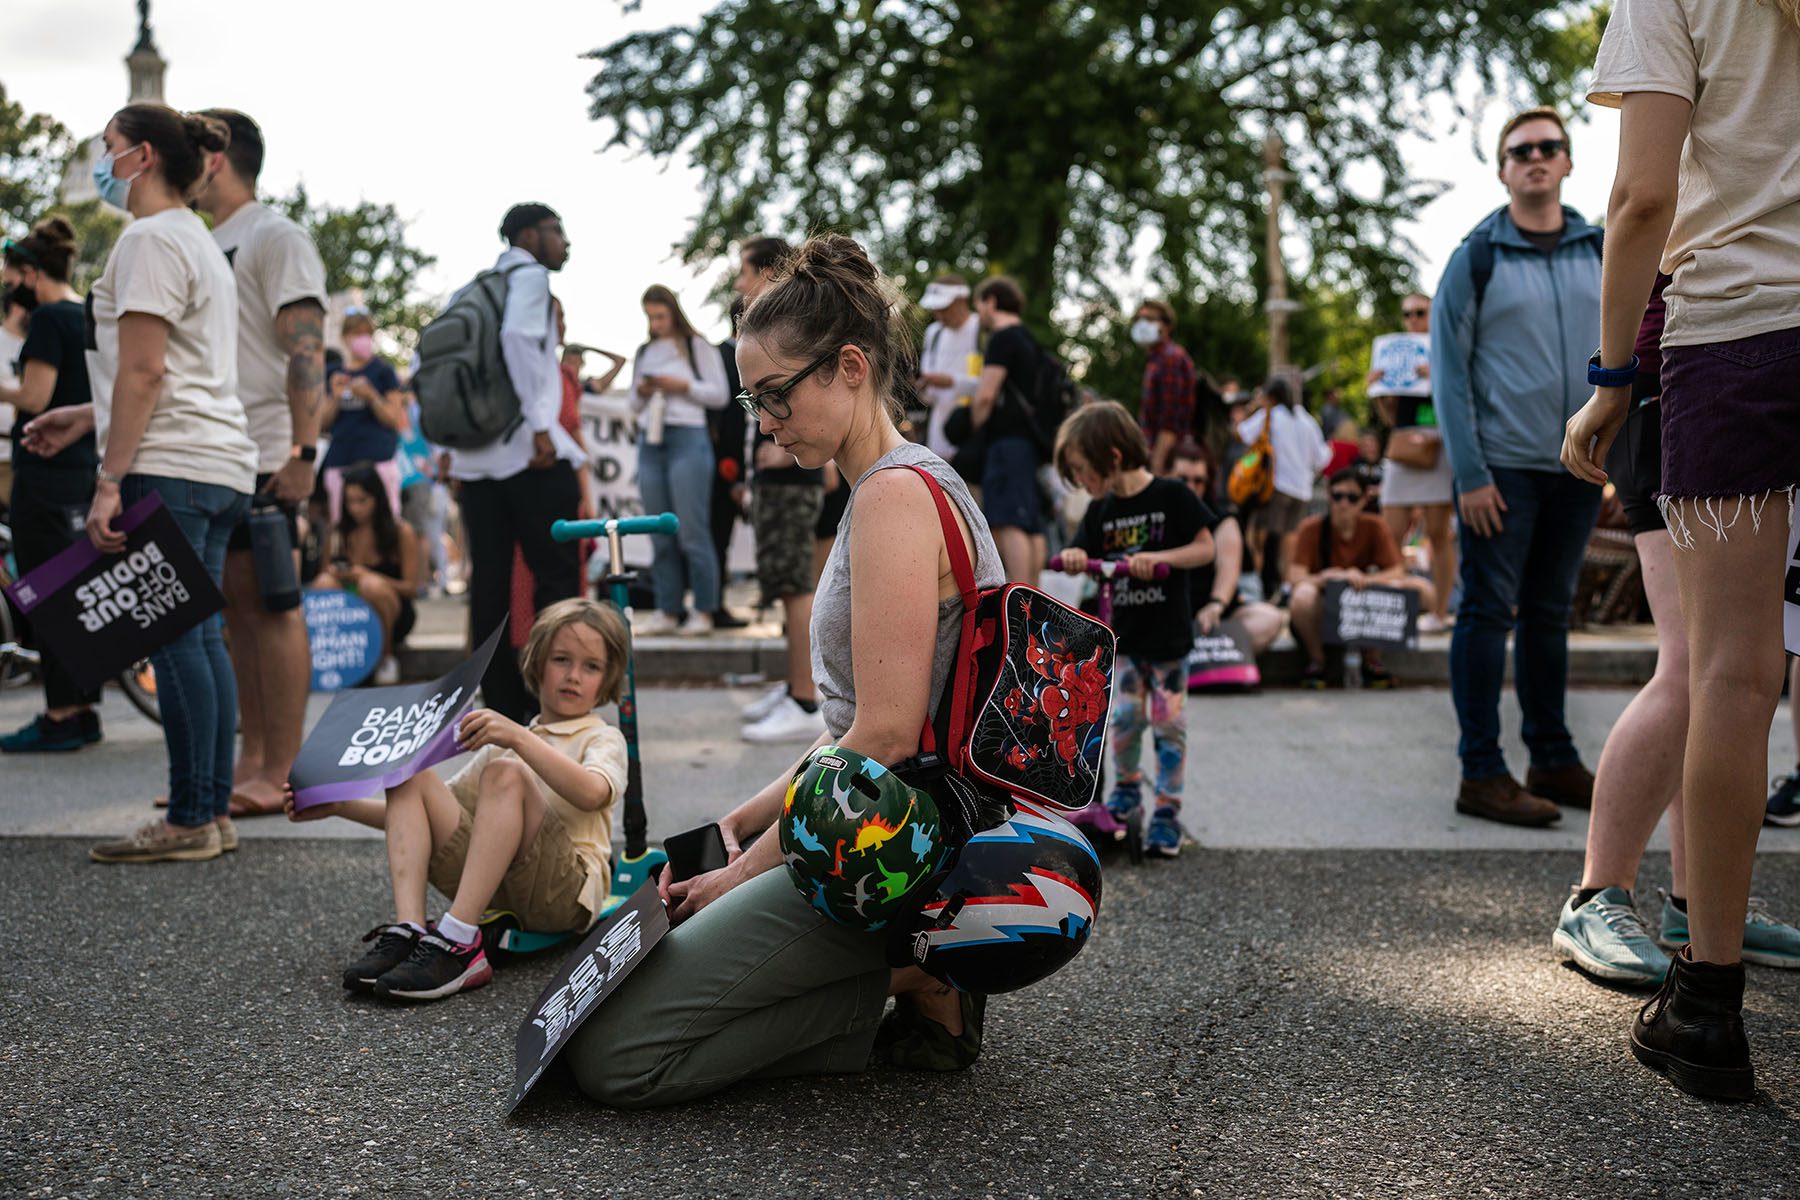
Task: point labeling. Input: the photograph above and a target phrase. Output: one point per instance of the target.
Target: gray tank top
(832, 668)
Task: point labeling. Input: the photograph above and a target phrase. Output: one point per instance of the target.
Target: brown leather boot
(1571, 786)
(1502, 799)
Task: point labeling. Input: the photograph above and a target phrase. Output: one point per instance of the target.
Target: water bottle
(654, 415)
(272, 550)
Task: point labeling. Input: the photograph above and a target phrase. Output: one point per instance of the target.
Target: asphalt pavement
(1344, 990)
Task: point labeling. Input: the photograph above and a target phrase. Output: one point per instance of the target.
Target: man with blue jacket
(1515, 321)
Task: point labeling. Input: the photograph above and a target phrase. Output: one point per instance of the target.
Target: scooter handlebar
(1111, 568)
(570, 531)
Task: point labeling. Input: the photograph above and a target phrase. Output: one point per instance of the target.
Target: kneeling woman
(754, 983)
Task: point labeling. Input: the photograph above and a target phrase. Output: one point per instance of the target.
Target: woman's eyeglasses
(1547, 149)
(774, 401)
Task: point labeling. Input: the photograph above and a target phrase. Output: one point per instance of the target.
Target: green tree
(1055, 144)
(364, 246)
(33, 150)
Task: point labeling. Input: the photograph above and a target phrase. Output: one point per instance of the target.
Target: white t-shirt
(1734, 250)
(947, 351)
(276, 265)
(706, 387)
(1299, 447)
(167, 265)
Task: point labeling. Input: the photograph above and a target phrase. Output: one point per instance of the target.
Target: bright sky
(452, 110)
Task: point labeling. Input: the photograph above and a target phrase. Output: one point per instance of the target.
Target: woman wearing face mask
(365, 410)
(46, 490)
(753, 982)
(163, 375)
(676, 376)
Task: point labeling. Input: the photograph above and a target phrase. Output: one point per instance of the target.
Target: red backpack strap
(960, 568)
(963, 669)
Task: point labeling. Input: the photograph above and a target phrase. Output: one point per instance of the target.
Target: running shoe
(786, 722)
(1784, 801)
(1163, 837)
(1127, 797)
(1768, 942)
(1607, 939)
(437, 967)
(393, 946)
(44, 736)
(764, 704)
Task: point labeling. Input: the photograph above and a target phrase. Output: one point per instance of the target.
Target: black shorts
(1635, 465)
(831, 512)
(240, 536)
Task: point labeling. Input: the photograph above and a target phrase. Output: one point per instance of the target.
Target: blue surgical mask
(112, 189)
(1146, 333)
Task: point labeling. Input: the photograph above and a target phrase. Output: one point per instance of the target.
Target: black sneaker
(1313, 678)
(1693, 1031)
(724, 618)
(437, 967)
(44, 736)
(90, 726)
(393, 945)
(1784, 801)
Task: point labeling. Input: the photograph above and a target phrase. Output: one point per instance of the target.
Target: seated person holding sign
(525, 825)
(376, 556)
(1350, 545)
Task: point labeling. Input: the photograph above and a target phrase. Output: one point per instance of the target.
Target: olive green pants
(756, 986)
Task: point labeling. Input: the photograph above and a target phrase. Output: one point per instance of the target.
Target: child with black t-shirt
(1146, 521)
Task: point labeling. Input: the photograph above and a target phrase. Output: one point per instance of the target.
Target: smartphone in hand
(695, 852)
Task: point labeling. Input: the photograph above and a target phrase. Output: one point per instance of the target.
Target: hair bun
(54, 231)
(206, 133)
(832, 254)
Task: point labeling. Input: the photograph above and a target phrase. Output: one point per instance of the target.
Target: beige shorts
(1282, 514)
(543, 886)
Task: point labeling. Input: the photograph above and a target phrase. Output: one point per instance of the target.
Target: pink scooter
(1095, 821)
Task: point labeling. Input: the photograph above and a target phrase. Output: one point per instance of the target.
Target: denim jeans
(677, 477)
(195, 689)
(1522, 580)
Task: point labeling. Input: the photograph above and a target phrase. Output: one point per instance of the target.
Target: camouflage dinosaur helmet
(859, 843)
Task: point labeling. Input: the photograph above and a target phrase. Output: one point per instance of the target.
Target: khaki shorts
(544, 883)
(1282, 514)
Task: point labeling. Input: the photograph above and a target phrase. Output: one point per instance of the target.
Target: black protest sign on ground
(1222, 659)
(99, 613)
(1382, 617)
(611, 950)
(377, 738)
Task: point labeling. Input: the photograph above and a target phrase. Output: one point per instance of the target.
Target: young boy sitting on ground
(525, 825)
(1147, 521)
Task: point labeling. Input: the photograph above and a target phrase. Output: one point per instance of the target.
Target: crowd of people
(1474, 493)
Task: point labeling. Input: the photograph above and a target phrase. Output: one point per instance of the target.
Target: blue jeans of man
(196, 692)
(677, 477)
(1521, 580)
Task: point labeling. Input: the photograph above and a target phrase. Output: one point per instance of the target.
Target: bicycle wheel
(138, 682)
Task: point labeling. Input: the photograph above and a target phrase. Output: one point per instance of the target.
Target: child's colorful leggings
(1153, 695)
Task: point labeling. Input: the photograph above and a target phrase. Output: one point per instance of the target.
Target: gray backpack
(466, 397)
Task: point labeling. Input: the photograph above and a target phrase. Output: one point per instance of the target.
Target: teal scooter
(501, 932)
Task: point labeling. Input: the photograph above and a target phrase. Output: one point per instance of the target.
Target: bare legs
(797, 611)
(422, 815)
(1018, 554)
(1440, 537)
(1305, 617)
(1731, 601)
(273, 665)
(1639, 774)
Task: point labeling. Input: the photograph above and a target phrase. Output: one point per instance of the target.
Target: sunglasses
(774, 401)
(1346, 497)
(1547, 149)
(1196, 481)
(1415, 312)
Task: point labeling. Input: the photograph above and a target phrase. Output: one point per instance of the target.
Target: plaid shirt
(1167, 405)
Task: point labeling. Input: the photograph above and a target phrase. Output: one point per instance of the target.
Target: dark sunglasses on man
(1415, 313)
(1547, 149)
(774, 401)
(1346, 497)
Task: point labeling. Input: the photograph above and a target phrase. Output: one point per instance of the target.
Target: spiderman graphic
(1072, 694)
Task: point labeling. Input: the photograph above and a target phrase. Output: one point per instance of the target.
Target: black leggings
(49, 505)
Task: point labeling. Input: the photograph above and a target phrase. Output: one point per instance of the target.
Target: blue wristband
(1600, 376)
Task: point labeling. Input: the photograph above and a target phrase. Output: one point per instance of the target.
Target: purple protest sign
(99, 613)
(373, 739)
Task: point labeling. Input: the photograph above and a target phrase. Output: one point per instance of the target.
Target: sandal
(242, 806)
(912, 1042)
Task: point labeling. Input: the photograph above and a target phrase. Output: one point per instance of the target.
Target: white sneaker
(1432, 623)
(698, 624)
(764, 704)
(655, 623)
(787, 722)
(388, 673)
